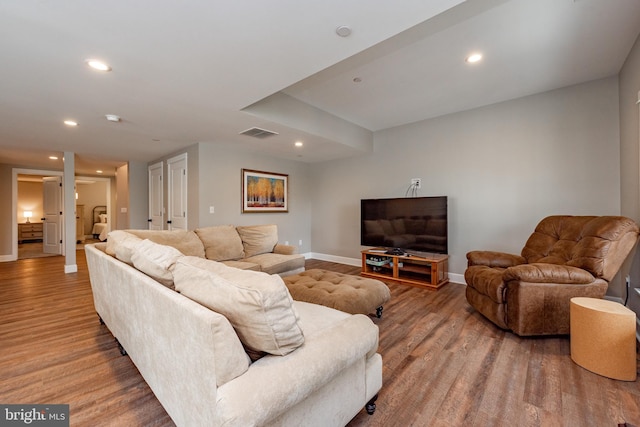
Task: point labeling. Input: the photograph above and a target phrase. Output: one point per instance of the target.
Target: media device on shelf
(405, 224)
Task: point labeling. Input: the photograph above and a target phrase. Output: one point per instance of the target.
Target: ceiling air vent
(258, 133)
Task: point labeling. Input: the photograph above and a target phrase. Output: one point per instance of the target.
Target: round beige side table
(603, 337)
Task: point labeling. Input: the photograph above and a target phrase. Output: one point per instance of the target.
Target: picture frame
(264, 191)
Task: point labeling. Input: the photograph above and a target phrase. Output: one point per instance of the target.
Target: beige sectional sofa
(253, 247)
(222, 346)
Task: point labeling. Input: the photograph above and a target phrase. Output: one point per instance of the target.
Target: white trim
(457, 278)
(72, 268)
(334, 258)
(614, 299)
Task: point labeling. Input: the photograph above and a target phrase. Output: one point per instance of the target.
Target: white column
(69, 205)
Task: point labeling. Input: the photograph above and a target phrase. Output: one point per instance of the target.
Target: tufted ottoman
(351, 294)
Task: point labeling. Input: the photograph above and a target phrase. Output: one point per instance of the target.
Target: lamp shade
(28, 214)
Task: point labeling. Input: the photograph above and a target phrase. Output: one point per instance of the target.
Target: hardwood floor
(444, 365)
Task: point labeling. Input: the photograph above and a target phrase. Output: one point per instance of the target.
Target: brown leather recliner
(565, 257)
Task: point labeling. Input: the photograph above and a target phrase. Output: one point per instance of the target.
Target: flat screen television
(405, 224)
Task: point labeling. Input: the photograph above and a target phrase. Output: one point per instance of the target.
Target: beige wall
(29, 199)
(214, 179)
(503, 167)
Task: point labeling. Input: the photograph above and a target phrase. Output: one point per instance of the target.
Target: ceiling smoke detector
(258, 132)
(112, 117)
(343, 31)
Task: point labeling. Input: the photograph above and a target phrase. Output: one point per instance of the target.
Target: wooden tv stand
(414, 268)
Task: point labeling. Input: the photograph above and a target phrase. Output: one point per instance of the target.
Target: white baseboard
(71, 268)
(453, 277)
(7, 258)
(333, 258)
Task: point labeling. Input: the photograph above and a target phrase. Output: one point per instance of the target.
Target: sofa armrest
(284, 249)
(548, 273)
(273, 384)
(494, 259)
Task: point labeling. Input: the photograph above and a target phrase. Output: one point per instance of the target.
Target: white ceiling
(187, 72)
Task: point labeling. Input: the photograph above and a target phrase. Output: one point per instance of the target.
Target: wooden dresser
(29, 231)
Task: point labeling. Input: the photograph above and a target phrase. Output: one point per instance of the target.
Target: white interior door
(177, 192)
(156, 208)
(52, 220)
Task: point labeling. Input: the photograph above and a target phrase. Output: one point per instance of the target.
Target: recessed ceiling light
(473, 58)
(53, 157)
(98, 65)
(71, 123)
(112, 117)
(98, 171)
(298, 144)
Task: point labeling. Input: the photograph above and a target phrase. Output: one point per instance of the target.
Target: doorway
(37, 218)
(28, 196)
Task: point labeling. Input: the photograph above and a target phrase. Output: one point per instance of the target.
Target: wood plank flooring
(444, 365)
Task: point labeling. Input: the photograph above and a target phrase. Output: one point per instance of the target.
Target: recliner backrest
(598, 244)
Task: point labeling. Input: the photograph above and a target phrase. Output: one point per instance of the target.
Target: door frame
(13, 256)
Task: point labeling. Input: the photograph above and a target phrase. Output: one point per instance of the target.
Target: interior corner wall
(630, 159)
(503, 167)
(220, 182)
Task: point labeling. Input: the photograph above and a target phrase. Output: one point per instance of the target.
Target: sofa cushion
(156, 261)
(114, 239)
(258, 239)
(257, 304)
(125, 247)
(242, 265)
(221, 242)
(277, 263)
(186, 241)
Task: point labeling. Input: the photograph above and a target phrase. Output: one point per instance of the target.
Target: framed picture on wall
(264, 191)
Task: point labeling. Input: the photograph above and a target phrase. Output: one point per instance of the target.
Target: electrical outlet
(416, 182)
(300, 242)
(628, 280)
(212, 209)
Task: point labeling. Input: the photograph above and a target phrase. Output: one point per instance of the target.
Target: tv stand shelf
(414, 268)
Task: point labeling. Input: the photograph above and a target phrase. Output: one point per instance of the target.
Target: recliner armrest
(548, 273)
(494, 259)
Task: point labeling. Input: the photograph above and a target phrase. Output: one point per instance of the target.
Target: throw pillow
(221, 242)
(126, 247)
(258, 239)
(257, 304)
(113, 240)
(156, 261)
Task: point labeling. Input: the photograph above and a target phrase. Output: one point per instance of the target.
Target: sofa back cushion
(257, 304)
(120, 244)
(258, 239)
(186, 241)
(221, 242)
(598, 244)
(156, 261)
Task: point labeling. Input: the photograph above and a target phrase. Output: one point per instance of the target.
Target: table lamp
(28, 214)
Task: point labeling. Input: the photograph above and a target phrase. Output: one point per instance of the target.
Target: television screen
(408, 224)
